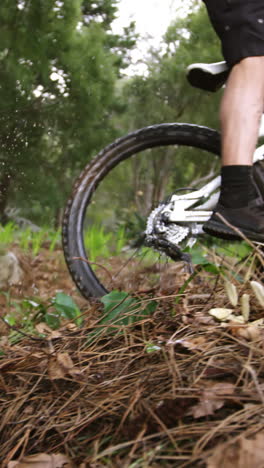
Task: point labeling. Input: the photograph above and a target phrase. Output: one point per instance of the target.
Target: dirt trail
(43, 276)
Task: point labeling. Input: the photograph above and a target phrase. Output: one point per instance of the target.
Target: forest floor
(177, 388)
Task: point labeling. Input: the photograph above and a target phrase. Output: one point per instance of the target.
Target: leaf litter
(174, 388)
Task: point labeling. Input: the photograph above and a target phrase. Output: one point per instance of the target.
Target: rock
(10, 271)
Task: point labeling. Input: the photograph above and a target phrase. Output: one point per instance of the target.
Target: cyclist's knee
(251, 66)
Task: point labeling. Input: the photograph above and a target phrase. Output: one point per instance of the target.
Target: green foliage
(25, 239)
(118, 303)
(59, 65)
(37, 241)
(238, 250)
(54, 238)
(28, 312)
(61, 99)
(203, 254)
(199, 258)
(28, 239)
(120, 310)
(7, 233)
(104, 244)
(64, 307)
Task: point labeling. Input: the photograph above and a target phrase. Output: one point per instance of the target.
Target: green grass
(7, 233)
(100, 243)
(27, 313)
(28, 240)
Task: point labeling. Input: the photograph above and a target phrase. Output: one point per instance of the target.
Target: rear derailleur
(176, 223)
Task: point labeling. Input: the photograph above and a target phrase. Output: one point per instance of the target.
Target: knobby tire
(89, 180)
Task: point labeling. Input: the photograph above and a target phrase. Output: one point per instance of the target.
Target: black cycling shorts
(240, 27)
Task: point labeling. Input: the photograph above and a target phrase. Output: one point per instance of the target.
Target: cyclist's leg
(240, 28)
(241, 111)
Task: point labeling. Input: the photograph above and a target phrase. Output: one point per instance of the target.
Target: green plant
(28, 312)
(54, 238)
(37, 239)
(7, 233)
(63, 307)
(100, 243)
(25, 313)
(121, 240)
(30, 240)
(25, 238)
(119, 310)
(97, 241)
(200, 260)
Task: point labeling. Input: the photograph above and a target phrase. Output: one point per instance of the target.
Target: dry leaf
(258, 290)
(238, 319)
(251, 332)
(231, 292)
(42, 460)
(195, 343)
(221, 314)
(206, 407)
(55, 371)
(246, 453)
(245, 306)
(71, 326)
(60, 366)
(44, 329)
(212, 399)
(65, 361)
(258, 322)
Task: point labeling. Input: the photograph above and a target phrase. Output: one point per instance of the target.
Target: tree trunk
(5, 182)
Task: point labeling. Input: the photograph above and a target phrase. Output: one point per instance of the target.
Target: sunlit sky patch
(152, 18)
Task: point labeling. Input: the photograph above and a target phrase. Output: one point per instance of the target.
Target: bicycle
(172, 225)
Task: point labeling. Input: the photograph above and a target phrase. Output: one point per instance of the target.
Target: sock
(237, 186)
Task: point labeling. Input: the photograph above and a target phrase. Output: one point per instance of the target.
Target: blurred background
(75, 75)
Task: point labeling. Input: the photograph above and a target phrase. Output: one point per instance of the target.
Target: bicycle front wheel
(105, 216)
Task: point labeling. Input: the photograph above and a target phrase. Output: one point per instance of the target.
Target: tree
(59, 63)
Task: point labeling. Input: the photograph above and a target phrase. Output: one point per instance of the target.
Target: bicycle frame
(178, 209)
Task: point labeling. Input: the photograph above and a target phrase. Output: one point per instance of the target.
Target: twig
(94, 263)
(240, 234)
(255, 380)
(12, 327)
